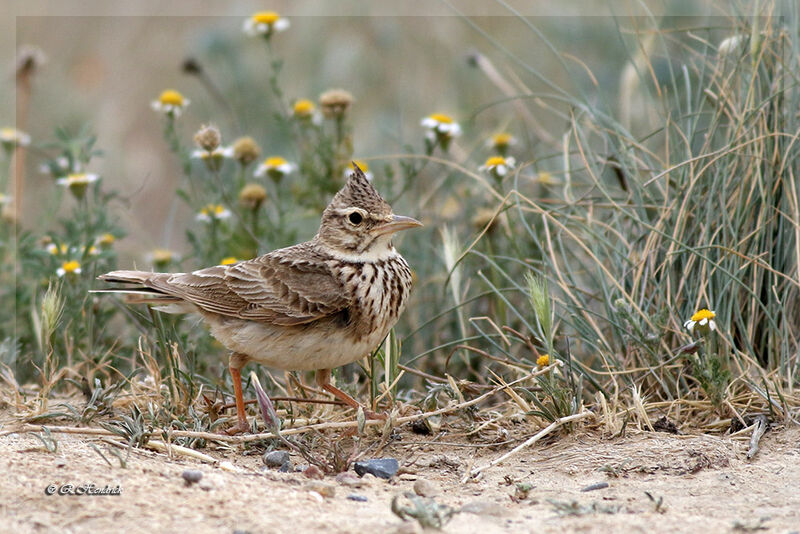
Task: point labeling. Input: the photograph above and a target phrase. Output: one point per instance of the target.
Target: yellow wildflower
(170, 102)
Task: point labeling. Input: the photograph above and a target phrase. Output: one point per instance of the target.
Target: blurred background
(102, 72)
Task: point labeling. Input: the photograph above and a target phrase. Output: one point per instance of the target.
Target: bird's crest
(359, 192)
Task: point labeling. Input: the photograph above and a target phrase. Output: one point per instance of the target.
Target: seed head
(246, 150)
(335, 103)
(252, 196)
(208, 137)
(51, 310)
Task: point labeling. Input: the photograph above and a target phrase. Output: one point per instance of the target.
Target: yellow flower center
(303, 107)
(441, 117)
(107, 239)
(171, 97)
(70, 266)
(495, 161)
(501, 139)
(546, 178)
(266, 17)
(77, 178)
(230, 260)
(8, 133)
(543, 360)
(275, 161)
(162, 255)
(361, 165)
(213, 209)
(703, 314)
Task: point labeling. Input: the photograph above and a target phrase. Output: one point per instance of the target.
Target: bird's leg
(238, 361)
(323, 378)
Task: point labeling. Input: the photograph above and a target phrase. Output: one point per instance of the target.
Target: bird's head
(358, 221)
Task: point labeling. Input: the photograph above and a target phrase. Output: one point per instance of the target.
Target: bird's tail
(138, 289)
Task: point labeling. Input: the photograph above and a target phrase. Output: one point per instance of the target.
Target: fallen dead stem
(527, 443)
(172, 449)
(294, 431)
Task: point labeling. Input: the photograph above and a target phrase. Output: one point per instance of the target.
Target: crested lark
(312, 306)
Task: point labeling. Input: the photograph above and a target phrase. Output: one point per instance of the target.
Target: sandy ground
(697, 483)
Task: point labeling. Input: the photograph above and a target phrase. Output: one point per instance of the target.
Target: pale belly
(295, 348)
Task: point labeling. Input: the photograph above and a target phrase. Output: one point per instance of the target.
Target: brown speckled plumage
(311, 306)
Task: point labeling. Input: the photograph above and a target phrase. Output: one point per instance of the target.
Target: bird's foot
(241, 427)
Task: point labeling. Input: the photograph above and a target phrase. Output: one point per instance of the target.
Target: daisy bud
(246, 151)
(335, 103)
(252, 196)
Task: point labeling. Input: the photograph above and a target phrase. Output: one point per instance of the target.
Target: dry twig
(533, 439)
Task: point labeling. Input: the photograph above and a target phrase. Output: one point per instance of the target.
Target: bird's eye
(355, 218)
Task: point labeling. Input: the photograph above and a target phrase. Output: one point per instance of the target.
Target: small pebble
(61, 462)
(286, 468)
(316, 496)
(191, 476)
(275, 458)
(599, 485)
(206, 485)
(425, 488)
(380, 467)
(356, 497)
(312, 471)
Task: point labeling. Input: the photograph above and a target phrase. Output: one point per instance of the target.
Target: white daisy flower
(219, 152)
(265, 23)
(5, 199)
(213, 212)
(171, 103)
(10, 138)
(78, 182)
(275, 167)
(213, 159)
(501, 142)
(105, 240)
(69, 267)
(304, 110)
(703, 320)
(350, 170)
(55, 250)
(498, 166)
(441, 127)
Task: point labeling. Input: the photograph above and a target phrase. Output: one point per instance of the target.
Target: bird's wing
(287, 287)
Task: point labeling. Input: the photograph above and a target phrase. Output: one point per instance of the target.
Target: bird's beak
(395, 224)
